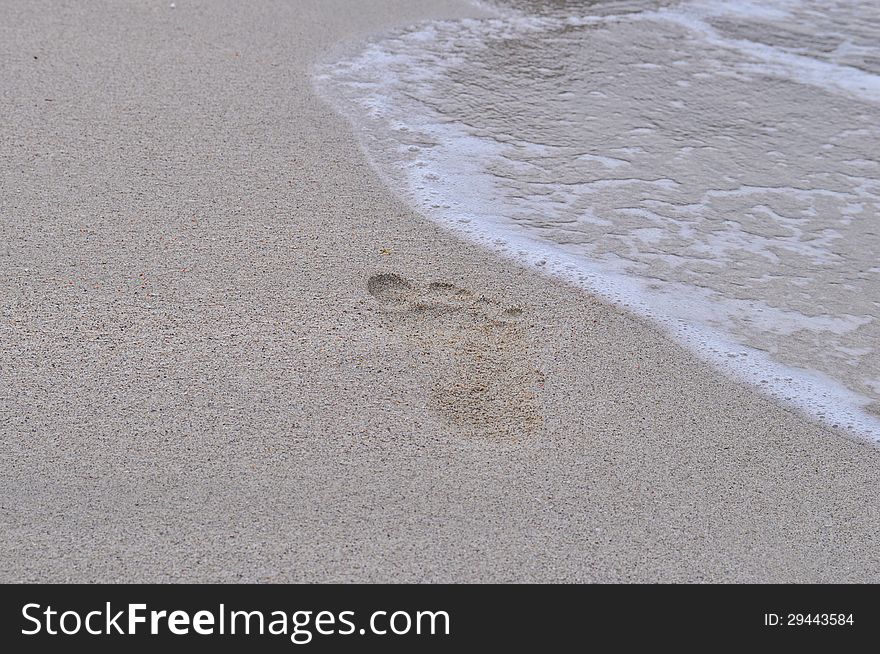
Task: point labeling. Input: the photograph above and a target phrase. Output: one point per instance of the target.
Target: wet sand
(229, 353)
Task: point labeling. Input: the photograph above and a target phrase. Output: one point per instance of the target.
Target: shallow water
(713, 165)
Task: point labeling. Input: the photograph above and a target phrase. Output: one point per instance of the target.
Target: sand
(229, 353)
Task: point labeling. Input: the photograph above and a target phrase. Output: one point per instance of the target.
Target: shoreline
(369, 92)
(202, 386)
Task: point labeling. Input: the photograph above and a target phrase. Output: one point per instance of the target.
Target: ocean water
(712, 165)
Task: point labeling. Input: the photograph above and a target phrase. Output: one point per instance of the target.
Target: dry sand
(228, 352)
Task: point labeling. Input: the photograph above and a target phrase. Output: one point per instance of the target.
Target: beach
(230, 353)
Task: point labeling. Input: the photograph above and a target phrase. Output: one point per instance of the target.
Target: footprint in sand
(475, 350)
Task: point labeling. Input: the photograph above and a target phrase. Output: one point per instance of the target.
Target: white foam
(776, 61)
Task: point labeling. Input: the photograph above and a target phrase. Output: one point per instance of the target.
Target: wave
(678, 159)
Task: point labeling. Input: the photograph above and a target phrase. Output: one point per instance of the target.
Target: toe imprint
(482, 374)
(388, 288)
